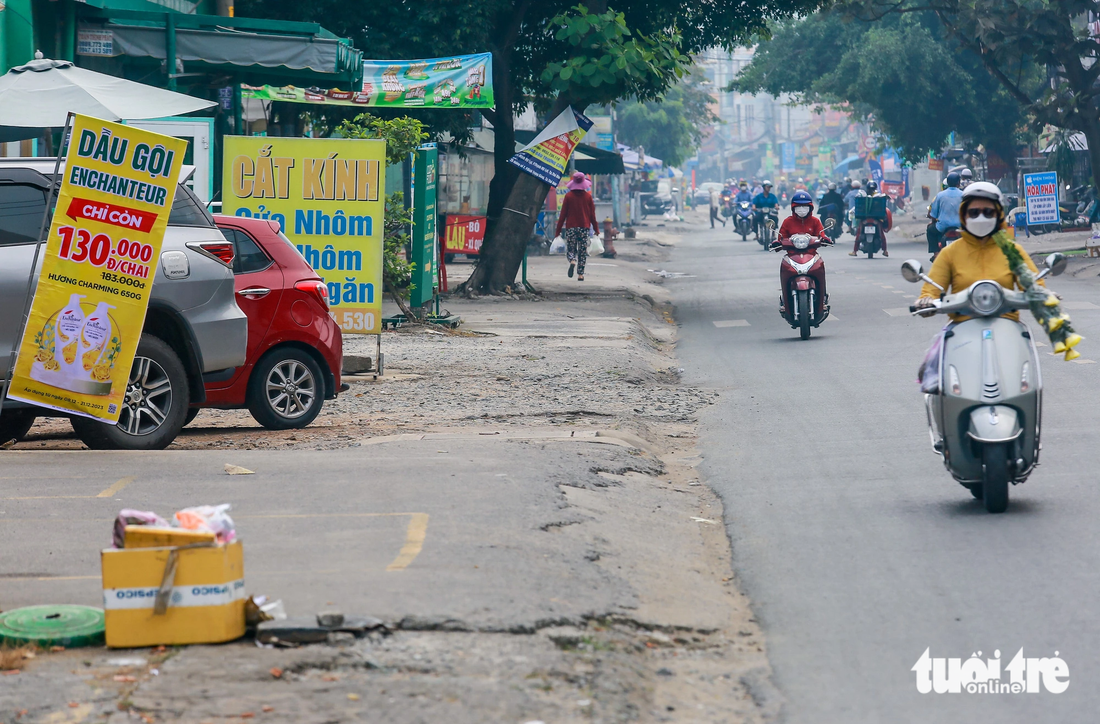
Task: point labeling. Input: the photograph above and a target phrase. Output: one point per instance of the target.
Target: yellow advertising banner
(98, 267)
(329, 197)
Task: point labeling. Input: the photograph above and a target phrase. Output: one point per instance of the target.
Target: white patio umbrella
(42, 93)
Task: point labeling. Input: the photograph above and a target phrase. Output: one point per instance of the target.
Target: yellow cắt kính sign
(98, 268)
(329, 198)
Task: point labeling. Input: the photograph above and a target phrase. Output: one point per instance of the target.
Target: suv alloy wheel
(155, 406)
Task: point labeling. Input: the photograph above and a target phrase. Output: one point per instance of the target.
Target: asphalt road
(857, 548)
(436, 529)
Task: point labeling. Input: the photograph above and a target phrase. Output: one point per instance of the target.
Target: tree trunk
(506, 240)
(410, 315)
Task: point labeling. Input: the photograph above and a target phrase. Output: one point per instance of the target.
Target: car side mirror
(1056, 262)
(912, 271)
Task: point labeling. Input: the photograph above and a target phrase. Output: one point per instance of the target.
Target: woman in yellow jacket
(975, 256)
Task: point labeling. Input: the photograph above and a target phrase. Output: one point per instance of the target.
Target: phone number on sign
(355, 321)
(127, 257)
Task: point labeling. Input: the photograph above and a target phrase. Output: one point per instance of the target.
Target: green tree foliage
(901, 72)
(402, 136)
(670, 128)
(1012, 37)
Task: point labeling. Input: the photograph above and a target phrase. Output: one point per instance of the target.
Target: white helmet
(856, 184)
(967, 173)
(983, 190)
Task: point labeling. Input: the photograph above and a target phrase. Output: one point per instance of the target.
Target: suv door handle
(254, 292)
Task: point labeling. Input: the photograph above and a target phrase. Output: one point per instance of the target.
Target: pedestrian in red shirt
(577, 215)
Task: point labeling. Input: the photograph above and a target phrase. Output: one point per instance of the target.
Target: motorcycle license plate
(869, 229)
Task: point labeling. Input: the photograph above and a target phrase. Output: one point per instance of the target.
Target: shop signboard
(95, 42)
(600, 134)
(328, 196)
(1041, 197)
(463, 234)
(459, 81)
(787, 151)
(98, 267)
(425, 174)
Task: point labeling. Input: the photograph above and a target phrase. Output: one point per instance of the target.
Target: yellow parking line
(414, 534)
(414, 541)
(114, 489)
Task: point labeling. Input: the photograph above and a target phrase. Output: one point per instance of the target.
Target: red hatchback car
(295, 349)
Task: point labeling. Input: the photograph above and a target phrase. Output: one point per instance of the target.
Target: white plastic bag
(557, 246)
(595, 245)
(214, 518)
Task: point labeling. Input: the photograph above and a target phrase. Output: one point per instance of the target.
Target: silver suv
(194, 328)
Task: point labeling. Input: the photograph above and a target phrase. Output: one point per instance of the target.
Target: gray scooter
(985, 418)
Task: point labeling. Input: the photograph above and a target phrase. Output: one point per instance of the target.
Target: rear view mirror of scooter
(914, 272)
(830, 223)
(1055, 264)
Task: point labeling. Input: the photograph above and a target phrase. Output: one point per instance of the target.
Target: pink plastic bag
(126, 517)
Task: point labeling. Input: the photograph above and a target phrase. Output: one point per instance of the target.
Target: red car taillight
(316, 288)
(222, 251)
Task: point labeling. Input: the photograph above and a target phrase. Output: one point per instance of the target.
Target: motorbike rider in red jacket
(802, 219)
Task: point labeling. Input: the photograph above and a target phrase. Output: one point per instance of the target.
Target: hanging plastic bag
(595, 245)
(929, 373)
(557, 246)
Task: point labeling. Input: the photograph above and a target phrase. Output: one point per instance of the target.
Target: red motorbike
(804, 302)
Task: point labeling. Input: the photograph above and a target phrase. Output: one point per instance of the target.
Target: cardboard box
(206, 603)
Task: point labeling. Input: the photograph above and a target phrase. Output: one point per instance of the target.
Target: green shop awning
(303, 50)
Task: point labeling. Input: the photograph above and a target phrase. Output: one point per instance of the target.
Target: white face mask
(802, 211)
(981, 227)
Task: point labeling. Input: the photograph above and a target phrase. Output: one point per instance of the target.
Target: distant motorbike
(871, 234)
(830, 211)
(742, 220)
(802, 299)
(727, 204)
(766, 233)
(984, 401)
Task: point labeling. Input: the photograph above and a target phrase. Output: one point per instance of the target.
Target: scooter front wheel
(995, 477)
(804, 313)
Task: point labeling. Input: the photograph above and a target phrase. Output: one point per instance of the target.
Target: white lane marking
(885, 286)
(898, 291)
(1084, 361)
(832, 318)
(898, 311)
(1041, 344)
(731, 323)
(1079, 305)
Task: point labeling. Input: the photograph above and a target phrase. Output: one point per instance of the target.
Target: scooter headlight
(986, 298)
(800, 241)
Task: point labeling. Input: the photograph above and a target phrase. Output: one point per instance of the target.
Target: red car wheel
(286, 389)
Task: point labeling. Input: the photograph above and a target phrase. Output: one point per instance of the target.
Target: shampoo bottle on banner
(70, 321)
(94, 335)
